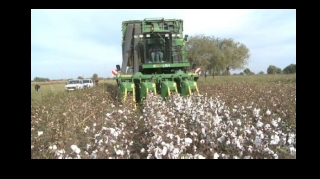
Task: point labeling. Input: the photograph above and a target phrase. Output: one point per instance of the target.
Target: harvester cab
(154, 60)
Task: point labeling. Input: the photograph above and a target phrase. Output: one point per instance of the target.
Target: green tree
(201, 51)
(261, 73)
(95, 76)
(39, 79)
(279, 71)
(290, 69)
(247, 71)
(215, 55)
(234, 54)
(80, 77)
(273, 70)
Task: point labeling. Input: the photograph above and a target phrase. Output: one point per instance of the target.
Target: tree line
(217, 56)
(290, 69)
(39, 79)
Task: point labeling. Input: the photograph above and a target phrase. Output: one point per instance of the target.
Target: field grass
(233, 117)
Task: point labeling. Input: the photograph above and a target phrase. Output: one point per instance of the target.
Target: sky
(71, 43)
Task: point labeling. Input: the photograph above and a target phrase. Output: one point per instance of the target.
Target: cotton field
(237, 120)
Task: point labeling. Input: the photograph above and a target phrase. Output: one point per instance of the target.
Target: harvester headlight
(135, 36)
(166, 35)
(141, 36)
(178, 35)
(151, 28)
(173, 35)
(148, 35)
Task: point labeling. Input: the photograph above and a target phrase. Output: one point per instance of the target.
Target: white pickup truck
(74, 85)
(88, 83)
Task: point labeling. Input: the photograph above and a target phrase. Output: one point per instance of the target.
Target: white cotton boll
(163, 143)
(119, 152)
(223, 156)
(186, 156)
(275, 139)
(257, 141)
(176, 151)
(195, 148)
(274, 123)
(94, 124)
(142, 150)
(188, 141)
(221, 139)
(267, 127)
(259, 124)
(275, 156)
(279, 119)
(159, 139)
(198, 156)
(238, 122)
(292, 150)
(235, 157)
(256, 112)
(237, 142)
(228, 142)
(215, 156)
(40, 133)
(164, 150)
(88, 146)
(112, 130)
(149, 156)
(115, 134)
(178, 140)
(77, 150)
(53, 147)
(235, 129)
(260, 134)
(202, 141)
(268, 112)
(120, 111)
(86, 129)
(73, 147)
(203, 130)
(247, 157)
(248, 131)
(170, 136)
(60, 152)
(193, 133)
(157, 153)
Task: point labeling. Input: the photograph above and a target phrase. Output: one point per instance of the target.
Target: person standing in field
(37, 87)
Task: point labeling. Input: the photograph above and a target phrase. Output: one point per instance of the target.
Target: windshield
(74, 82)
(86, 81)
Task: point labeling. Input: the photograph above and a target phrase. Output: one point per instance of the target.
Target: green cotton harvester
(164, 74)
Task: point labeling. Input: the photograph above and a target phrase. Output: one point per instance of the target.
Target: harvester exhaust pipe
(137, 32)
(126, 48)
